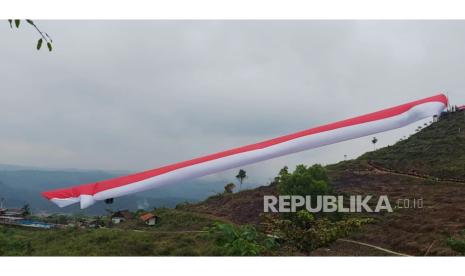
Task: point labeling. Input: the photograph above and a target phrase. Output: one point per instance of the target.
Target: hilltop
(438, 150)
(429, 165)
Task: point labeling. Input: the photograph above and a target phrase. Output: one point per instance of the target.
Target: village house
(13, 212)
(120, 216)
(149, 219)
(95, 223)
(11, 216)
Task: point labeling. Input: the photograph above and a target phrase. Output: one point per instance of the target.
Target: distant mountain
(22, 184)
(8, 167)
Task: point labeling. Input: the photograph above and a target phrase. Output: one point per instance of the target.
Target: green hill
(437, 150)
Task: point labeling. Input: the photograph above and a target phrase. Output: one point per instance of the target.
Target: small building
(95, 223)
(10, 219)
(13, 212)
(149, 219)
(120, 216)
(11, 216)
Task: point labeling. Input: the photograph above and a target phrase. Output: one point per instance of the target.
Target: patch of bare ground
(413, 231)
(244, 207)
(418, 232)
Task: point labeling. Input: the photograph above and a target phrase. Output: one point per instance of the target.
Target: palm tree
(241, 175)
(374, 140)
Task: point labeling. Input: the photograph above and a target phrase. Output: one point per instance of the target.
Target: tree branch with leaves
(44, 37)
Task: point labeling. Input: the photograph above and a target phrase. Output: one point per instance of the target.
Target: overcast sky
(134, 95)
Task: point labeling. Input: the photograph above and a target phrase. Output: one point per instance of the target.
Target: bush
(457, 243)
(240, 241)
(229, 188)
(307, 233)
(10, 245)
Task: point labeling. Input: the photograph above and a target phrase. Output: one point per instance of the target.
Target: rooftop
(147, 216)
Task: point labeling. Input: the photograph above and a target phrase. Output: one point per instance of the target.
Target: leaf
(11, 23)
(49, 45)
(17, 22)
(30, 21)
(39, 44)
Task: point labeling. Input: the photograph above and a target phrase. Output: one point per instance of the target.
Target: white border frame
(233, 9)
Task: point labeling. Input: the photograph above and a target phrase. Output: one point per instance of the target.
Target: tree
(27, 209)
(304, 181)
(44, 37)
(374, 141)
(241, 175)
(228, 189)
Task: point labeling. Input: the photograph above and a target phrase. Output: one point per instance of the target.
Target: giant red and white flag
(383, 120)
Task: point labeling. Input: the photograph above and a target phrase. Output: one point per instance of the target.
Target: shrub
(229, 188)
(240, 241)
(307, 233)
(457, 243)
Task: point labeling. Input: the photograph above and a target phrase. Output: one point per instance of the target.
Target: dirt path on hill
(380, 169)
(170, 232)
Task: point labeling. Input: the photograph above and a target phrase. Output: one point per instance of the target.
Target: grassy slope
(438, 150)
(173, 236)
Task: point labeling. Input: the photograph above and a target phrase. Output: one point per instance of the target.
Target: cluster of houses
(124, 215)
(9, 216)
(18, 217)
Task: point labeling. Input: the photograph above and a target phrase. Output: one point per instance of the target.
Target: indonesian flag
(380, 121)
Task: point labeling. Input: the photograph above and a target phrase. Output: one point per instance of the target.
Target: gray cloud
(134, 95)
